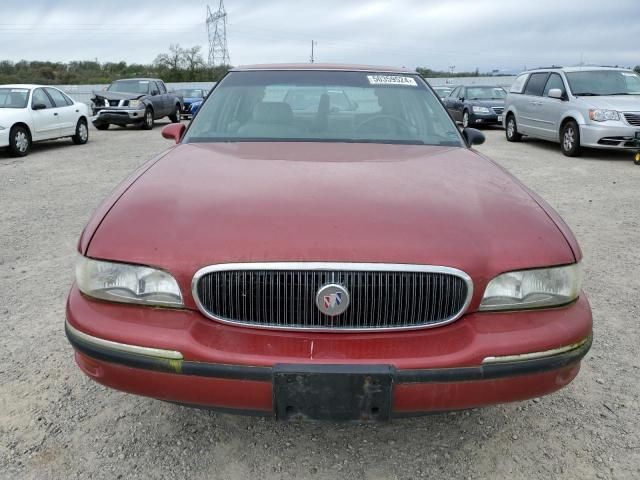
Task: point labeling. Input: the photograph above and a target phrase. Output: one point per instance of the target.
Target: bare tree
(174, 60)
(193, 59)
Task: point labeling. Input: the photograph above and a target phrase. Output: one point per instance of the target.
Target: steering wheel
(397, 120)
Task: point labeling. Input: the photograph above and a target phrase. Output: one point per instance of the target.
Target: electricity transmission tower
(217, 31)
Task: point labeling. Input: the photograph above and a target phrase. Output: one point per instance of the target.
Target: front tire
(465, 119)
(175, 117)
(82, 133)
(19, 141)
(102, 126)
(511, 130)
(148, 121)
(570, 139)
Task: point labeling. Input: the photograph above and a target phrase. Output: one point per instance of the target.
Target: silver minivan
(578, 107)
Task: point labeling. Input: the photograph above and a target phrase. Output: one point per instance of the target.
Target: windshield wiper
(622, 93)
(587, 94)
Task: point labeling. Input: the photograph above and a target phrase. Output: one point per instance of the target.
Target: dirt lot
(55, 423)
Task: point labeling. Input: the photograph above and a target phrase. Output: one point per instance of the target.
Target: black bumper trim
(265, 374)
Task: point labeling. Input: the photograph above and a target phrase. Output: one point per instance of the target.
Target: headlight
(543, 287)
(480, 109)
(134, 103)
(121, 282)
(603, 115)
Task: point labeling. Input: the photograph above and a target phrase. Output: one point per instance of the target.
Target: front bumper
(484, 118)
(479, 360)
(118, 116)
(609, 135)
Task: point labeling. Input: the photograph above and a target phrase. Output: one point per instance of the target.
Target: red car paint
(204, 204)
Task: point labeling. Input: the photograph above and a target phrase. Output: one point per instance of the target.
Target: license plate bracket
(333, 392)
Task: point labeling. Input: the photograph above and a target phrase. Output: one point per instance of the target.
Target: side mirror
(39, 106)
(556, 93)
(174, 131)
(155, 92)
(461, 99)
(473, 136)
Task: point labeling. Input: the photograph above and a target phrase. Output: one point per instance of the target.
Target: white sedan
(31, 113)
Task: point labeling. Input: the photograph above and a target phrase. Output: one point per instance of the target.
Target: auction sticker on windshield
(392, 80)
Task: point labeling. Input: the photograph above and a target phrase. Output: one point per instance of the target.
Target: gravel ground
(55, 423)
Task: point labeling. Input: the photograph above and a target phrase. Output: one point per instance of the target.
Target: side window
(536, 83)
(39, 96)
(518, 85)
(462, 92)
(555, 81)
(161, 88)
(454, 94)
(57, 96)
(67, 99)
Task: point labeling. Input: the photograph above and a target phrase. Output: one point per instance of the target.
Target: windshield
(604, 82)
(486, 93)
(130, 86)
(189, 93)
(14, 97)
(323, 106)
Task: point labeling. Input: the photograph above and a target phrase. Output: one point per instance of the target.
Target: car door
(451, 102)
(67, 114)
(44, 115)
(529, 119)
(167, 106)
(551, 109)
(458, 103)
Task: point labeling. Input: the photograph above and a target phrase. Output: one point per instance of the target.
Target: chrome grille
(633, 118)
(498, 110)
(283, 295)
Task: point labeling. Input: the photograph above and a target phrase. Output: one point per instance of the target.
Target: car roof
(141, 78)
(26, 85)
(584, 68)
(324, 66)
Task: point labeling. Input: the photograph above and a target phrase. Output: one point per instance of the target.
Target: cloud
(486, 34)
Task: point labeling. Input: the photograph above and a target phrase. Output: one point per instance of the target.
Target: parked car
(31, 113)
(135, 101)
(596, 107)
(442, 91)
(319, 266)
(190, 97)
(195, 106)
(476, 105)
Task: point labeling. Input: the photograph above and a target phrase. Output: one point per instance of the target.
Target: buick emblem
(332, 299)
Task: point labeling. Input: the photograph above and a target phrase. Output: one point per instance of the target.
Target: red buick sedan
(324, 243)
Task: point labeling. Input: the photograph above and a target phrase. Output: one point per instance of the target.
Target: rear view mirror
(473, 136)
(174, 131)
(556, 93)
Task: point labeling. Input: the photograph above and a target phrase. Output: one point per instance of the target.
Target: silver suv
(578, 106)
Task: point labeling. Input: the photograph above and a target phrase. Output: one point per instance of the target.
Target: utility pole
(313, 44)
(451, 69)
(217, 32)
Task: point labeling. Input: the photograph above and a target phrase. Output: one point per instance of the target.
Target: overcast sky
(488, 34)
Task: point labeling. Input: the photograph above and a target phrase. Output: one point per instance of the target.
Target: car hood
(622, 103)
(487, 103)
(204, 204)
(118, 95)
